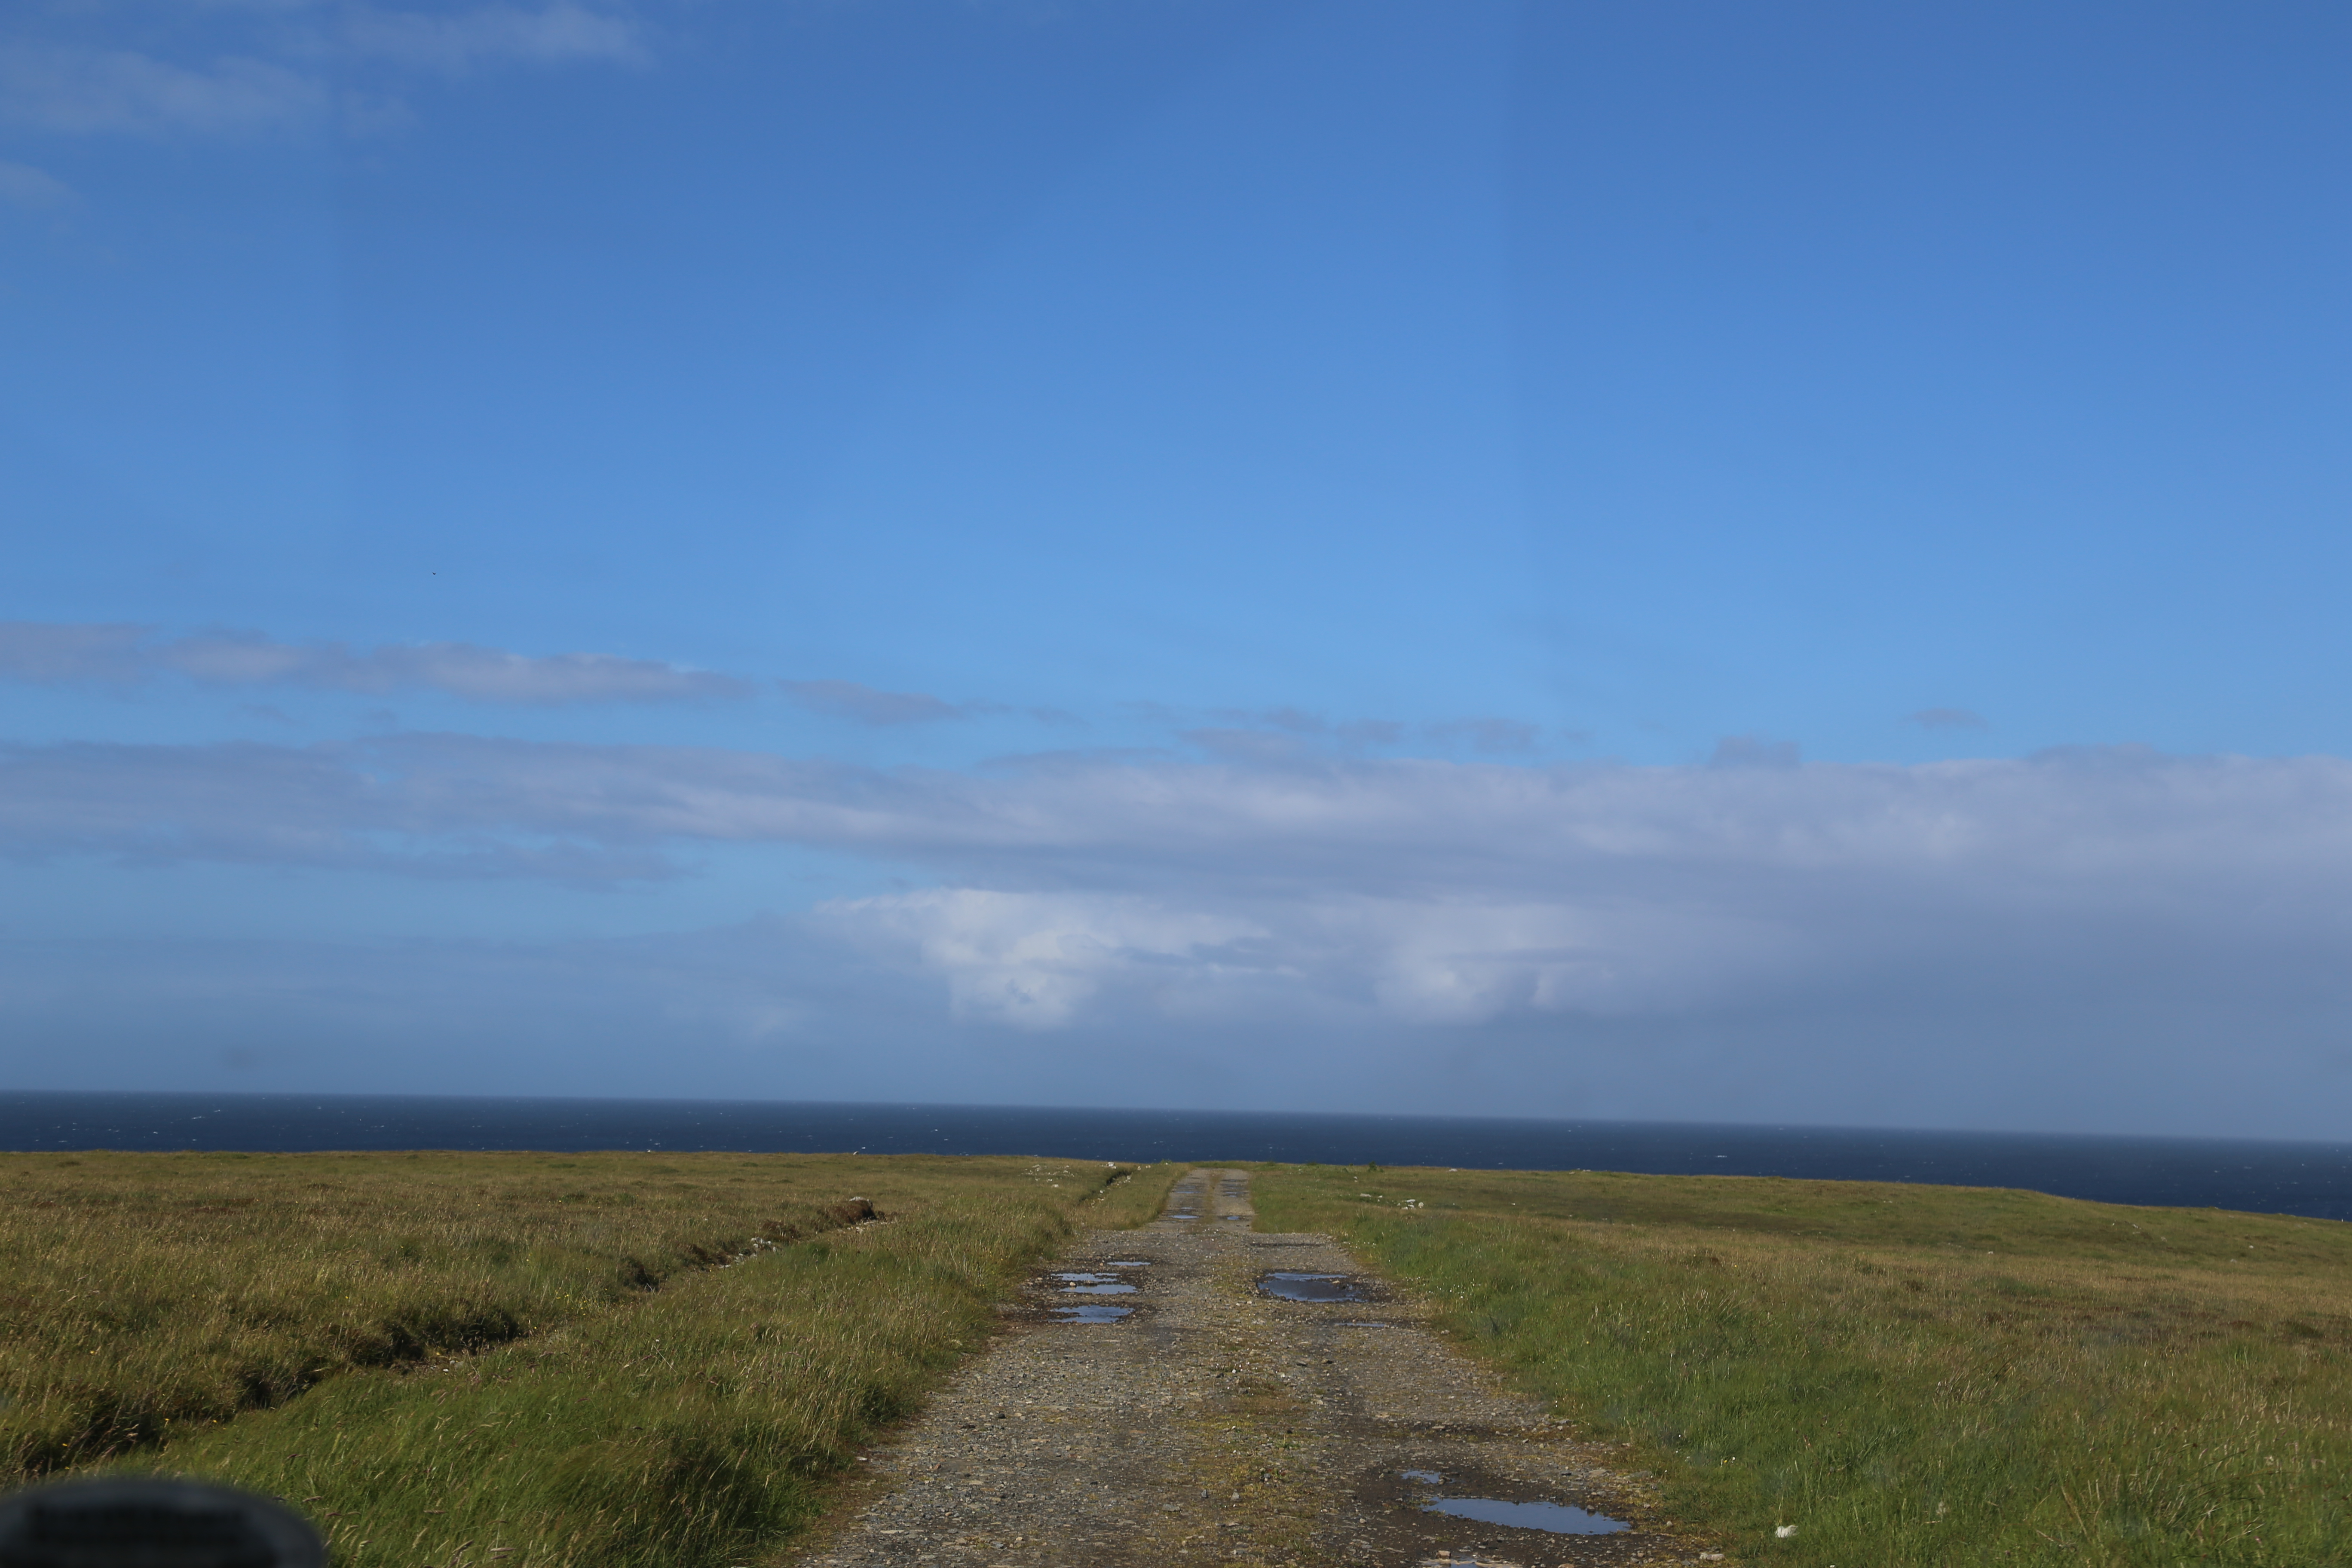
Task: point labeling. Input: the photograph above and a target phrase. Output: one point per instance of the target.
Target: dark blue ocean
(2313, 1179)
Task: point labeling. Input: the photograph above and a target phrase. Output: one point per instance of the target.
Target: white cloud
(1040, 960)
(50, 652)
(1034, 959)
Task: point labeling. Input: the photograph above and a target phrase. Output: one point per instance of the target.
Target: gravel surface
(1212, 1422)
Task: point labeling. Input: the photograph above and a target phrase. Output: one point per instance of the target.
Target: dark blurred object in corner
(143, 1523)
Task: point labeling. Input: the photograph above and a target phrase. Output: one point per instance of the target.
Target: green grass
(476, 1359)
(1909, 1375)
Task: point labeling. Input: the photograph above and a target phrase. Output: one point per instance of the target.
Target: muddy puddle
(1092, 1282)
(1111, 1279)
(1290, 1285)
(1551, 1518)
(1091, 1312)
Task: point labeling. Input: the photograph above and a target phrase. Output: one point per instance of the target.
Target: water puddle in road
(1113, 1290)
(1091, 1312)
(1128, 1263)
(1292, 1287)
(1557, 1519)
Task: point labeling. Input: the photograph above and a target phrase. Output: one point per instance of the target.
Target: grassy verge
(586, 1359)
(1908, 1375)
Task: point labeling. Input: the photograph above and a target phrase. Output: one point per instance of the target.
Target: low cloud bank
(1420, 893)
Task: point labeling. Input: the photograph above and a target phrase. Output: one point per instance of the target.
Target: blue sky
(1735, 561)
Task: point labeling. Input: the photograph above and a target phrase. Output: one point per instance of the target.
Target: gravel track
(1215, 1425)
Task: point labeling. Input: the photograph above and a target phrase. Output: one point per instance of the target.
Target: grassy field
(1907, 1374)
(476, 1359)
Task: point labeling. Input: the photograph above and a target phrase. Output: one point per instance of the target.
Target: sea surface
(2313, 1179)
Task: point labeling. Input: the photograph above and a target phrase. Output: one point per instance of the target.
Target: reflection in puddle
(1091, 1314)
(1077, 1282)
(1292, 1287)
(1129, 1263)
(1557, 1518)
(1364, 1325)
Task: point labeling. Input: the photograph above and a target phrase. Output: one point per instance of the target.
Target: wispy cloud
(868, 705)
(1291, 730)
(559, 33)
(84, 90)
(233, 71)
(52, 651)
(24, 186)
(1495, 737)
(55, 653)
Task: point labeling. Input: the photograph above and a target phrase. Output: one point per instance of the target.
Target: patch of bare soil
(1211, 1423)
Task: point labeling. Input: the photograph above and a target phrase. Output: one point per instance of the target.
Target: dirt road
(1211, 1421)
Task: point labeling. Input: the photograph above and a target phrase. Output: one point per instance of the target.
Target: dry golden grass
(581, 1359)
